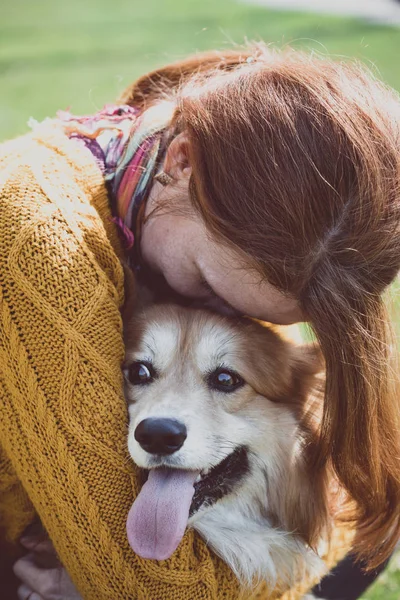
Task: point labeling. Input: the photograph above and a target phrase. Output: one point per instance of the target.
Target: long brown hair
(296, 163)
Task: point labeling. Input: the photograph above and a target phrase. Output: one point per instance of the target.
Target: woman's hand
(42, 575)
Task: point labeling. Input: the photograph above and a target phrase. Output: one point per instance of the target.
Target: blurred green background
(81, 54)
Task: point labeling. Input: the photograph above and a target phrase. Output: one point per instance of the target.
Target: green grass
(81, 54)
(387, 587)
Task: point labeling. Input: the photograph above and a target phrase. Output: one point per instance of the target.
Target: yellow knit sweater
(63, 419)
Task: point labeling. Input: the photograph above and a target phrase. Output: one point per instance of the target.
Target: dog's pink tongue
(158, 518)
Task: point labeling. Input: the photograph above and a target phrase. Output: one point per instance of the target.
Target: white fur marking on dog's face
(214, 349)
(159, 344)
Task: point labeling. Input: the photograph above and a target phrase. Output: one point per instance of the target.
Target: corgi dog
(223, 418)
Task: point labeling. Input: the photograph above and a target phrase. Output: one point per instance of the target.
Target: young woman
(261, 182)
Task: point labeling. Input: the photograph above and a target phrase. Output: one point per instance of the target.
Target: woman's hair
(296, 162)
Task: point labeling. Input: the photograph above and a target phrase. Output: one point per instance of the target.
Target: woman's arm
(63, 416)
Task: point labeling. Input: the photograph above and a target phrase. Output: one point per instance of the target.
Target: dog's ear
(137, 295)
(130, 293)
(307, 366)
(305, 503)
(303, 506)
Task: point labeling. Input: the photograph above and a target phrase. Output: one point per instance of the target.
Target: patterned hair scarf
(129, 147)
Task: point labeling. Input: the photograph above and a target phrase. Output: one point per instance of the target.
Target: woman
(261, 182)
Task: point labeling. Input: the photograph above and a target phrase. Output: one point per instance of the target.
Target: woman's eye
(225, 380)
(140, 373)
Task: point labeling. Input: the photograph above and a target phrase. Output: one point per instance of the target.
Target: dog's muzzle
(158, 518)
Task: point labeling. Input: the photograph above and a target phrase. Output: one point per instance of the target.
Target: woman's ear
(176, 162)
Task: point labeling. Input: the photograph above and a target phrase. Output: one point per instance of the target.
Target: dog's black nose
(160, 436)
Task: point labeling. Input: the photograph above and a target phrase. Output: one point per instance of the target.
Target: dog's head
(218, 406)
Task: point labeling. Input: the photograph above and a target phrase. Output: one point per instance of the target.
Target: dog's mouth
(158, 518)
(220, 480)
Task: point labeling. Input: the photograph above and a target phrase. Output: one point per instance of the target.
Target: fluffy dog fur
(273, 517)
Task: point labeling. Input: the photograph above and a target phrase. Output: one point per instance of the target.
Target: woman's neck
(129, 148)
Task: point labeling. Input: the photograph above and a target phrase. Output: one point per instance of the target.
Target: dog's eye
(225, 380)
(140, 373)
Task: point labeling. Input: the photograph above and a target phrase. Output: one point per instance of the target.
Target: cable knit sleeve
(63, 420)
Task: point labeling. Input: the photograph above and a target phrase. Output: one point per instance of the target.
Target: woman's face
(195, 265)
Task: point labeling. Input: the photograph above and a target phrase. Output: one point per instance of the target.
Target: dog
(223, 419)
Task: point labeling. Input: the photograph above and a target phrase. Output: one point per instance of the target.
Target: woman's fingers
(40, 544)
(25, 593)
(45, 583)
(35, 578)
(41, 574)
(36, 539)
